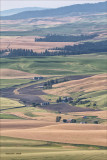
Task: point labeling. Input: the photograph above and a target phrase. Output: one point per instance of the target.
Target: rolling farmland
(39, 89)
(58, 65)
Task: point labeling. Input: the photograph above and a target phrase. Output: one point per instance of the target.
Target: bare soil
(64, 108)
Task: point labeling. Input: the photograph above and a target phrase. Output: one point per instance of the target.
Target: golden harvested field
(14, 74)
(22, 124)
(91, 134)
(94, 83)
(28, 42)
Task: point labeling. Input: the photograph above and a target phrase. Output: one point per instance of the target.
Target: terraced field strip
(16, 148)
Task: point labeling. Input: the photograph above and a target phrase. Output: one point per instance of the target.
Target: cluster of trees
(58, 118)
(21, 52)
(59, 100)
(64, 99)
(84, 48)
(79, 101)
(64, 38)
(84, 100)
(48, 84)
(73, 101)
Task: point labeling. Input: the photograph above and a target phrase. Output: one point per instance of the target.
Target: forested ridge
(62, 11)
(65, 38)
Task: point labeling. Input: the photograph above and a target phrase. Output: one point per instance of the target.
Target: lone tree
(60, 99)
(73, 121)
(95, 122)
(58, 118)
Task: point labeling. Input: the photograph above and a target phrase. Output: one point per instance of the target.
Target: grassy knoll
(70, 65)
(6, 103)
(30, 114)
(18, 149)
(4, 83)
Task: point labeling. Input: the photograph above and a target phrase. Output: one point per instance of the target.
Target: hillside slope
(94, 83)
(87, 92)
(74, 9)
(18, 10)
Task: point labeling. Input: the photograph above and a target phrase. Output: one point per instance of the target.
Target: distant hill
(68, 10)
(18, 10)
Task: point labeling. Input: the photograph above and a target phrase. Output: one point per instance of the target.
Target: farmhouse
(44, 103)
(37, 78)
(64, 99)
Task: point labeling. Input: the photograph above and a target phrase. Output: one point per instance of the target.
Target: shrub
(58, 118)
(64, 120)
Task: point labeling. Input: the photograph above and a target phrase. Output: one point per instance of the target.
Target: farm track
(30, 94)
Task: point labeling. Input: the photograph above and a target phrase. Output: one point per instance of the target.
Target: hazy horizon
(9, 4)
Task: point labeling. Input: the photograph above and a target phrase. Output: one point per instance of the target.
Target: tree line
(84, 48)
(65, 38)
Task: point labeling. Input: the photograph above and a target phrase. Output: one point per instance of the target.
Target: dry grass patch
(22, 124)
